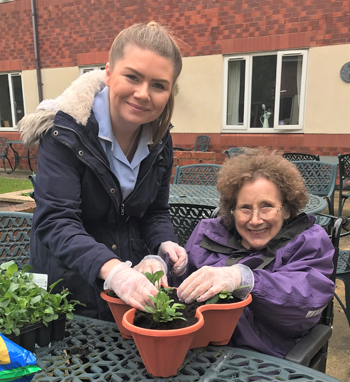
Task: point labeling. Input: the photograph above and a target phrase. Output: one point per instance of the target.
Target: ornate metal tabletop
(94, 350)
(209, 195)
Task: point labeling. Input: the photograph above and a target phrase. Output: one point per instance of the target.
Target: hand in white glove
(131, 286)
(209, 281)
(152, 264)
(176, 254)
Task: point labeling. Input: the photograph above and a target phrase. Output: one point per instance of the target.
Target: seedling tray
(39, 334)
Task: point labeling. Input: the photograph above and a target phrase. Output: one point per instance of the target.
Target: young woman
(261, 239)
(104, 167)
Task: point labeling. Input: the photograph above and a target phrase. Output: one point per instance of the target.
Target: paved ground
(338, 364)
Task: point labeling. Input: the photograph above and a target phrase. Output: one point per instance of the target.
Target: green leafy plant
(163, 312)
(224, 296)
(154, 277)
(23, 302)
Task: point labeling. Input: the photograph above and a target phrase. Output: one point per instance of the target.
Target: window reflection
(290, 90)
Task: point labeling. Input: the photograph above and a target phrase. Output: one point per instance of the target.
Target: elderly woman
(262, 239)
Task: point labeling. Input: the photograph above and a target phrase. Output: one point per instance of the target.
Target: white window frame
(247, 96)
(85, 69)
(12, 100)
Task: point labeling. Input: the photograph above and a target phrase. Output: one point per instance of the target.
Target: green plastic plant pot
(162, 351)
(220, 321)
(118, 307)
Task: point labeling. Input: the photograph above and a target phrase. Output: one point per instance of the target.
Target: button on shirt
(125, 172)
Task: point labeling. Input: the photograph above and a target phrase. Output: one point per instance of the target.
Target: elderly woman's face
(255, 231)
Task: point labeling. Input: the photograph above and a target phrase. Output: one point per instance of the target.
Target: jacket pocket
(139, 250)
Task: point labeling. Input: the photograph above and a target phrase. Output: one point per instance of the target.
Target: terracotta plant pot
(162, 351)
(220, 321)
(118, 307)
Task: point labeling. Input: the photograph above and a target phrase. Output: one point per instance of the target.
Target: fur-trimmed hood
(76, 100)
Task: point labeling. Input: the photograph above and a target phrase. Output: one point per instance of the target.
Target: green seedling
(163, 312)
(224, 296)
(23, 302)
(154, 277)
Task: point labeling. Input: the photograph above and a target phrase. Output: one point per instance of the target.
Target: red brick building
(238, 56)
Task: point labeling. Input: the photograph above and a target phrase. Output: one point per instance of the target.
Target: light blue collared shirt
(125, 172)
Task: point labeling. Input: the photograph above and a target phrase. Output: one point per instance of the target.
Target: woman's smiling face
(257, 232)
(139, 87)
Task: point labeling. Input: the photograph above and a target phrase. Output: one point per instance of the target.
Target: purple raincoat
(289, 292)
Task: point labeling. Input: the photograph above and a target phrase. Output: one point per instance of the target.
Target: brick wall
(321, 144)
(70, 29)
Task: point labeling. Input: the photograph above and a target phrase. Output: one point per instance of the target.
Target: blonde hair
(255, 164)
(158, 39)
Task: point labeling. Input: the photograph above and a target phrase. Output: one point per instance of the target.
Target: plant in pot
(162, 351)
(221, 314)
(27, 311)
(118, 307)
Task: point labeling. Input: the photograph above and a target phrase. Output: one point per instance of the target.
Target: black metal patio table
(94, 350)
(209, 195)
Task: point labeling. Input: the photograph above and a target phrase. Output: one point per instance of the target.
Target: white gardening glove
(209, 281)
(176, 254)
(131, 286)
(152, 264)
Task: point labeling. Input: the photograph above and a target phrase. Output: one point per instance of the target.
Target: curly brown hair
(260, 163)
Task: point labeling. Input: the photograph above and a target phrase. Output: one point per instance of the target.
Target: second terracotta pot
(118, 307)
(220, 321)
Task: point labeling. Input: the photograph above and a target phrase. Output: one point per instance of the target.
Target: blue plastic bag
(16, 363)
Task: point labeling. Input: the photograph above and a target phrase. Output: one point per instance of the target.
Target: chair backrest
(4, 147)
(318, 361)
(202, 143)
(294, 157)
(319, 177)
(197, 174)
(234, 151)
(185, 217)
(15, 228)
(344, 173)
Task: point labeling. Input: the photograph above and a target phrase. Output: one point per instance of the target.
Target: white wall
(54, 81)
(198, 106)
(327, 95)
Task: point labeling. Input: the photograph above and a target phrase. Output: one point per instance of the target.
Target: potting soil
(145, 320)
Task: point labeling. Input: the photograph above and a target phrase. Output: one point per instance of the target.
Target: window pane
(263, 90)
(18, 97)
(235, 92)
(290, 90)
(5, 106)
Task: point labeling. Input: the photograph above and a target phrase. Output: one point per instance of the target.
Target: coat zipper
(142, 180)
(122, 207)
(84, 161)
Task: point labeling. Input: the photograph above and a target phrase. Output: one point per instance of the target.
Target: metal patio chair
(294, 157)
(197, 174)
(15, 228)
(344, 174)
(320, 178)
(233, 151)
(201, 144)
(312, 349)
(185, 217)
